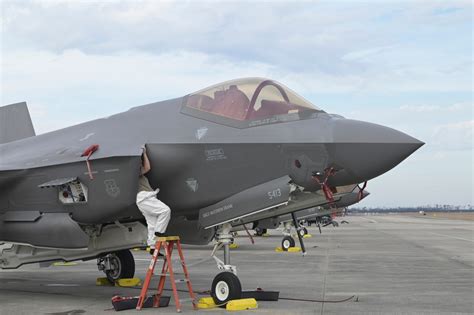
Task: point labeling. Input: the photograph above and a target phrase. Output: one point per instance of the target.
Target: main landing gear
(226, 285)
(117, 265)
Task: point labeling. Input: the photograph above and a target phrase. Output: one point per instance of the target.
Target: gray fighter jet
(234, 153)
(349, 195)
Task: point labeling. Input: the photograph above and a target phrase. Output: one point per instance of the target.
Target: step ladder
(168, 243)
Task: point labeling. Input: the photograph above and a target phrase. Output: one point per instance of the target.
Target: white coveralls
(157, 214)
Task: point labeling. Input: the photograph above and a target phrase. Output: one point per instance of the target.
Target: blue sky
(404, 64)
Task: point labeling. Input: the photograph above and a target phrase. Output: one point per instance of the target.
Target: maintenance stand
(168, 244)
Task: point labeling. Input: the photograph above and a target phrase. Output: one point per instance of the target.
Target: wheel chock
(102, 282)
(242, 305)
(128, 283)
(64, 264)
(206, 303)
(308, 236)
(233, 246)
(265, 235)
(290, 250)
(294, 249)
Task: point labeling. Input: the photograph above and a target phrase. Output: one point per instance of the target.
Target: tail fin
(15, 123)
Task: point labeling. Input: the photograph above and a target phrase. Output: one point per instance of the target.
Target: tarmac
(391, 264)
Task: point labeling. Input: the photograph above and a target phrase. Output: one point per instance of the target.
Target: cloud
(455, 136)
(436, 108)
(92, 86)
(310, 38)
(366, 53)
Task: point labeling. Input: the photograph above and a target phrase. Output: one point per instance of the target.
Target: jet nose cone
(365, 150)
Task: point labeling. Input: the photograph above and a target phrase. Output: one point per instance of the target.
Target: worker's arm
(146, 167)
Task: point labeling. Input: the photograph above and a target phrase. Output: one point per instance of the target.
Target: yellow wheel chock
(128, 283)
(242, 305)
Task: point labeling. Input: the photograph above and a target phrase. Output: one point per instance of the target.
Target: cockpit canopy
(248, 102)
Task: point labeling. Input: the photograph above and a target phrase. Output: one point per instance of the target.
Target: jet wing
(267, 200)
(249, 202)
(53, 230)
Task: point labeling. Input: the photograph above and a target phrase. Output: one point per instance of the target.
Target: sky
(403, 64)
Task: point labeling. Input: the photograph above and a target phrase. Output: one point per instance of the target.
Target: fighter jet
(233, 153)
(347, 196)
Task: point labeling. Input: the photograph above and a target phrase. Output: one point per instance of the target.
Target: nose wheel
(303, 231)
(226, 287)
(287, 242)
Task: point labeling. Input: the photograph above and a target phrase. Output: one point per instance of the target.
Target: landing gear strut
(226, 285)
(298, 231)
(117, 265)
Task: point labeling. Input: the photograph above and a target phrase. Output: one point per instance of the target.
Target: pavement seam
(325, 275)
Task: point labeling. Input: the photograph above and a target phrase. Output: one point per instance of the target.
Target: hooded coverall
(157, 214)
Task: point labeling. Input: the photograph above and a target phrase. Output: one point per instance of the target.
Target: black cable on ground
(281, 298)
(318, 301)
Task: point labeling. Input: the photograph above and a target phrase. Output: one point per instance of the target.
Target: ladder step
(181, 280)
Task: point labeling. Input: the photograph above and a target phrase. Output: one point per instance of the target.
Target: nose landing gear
(303, 231)
(226, 285)
(287, 242)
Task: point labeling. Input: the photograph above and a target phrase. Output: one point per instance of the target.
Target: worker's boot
(152, 251)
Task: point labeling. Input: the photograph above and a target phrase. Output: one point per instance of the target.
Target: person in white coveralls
(157, 214)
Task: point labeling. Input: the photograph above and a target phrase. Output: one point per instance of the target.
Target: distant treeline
(443, 208)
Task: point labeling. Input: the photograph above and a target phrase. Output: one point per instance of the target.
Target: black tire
(287, 242)
(226, 287)
(124, 264)
(303, 231)
(260, 232)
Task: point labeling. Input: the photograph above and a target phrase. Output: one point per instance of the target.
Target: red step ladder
(168, 244)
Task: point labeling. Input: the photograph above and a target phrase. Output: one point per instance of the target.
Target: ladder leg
(161, 284)
(186, 274)
(149, 275)
(168, 250)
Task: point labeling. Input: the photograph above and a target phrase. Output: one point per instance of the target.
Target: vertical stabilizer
(15, 123)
